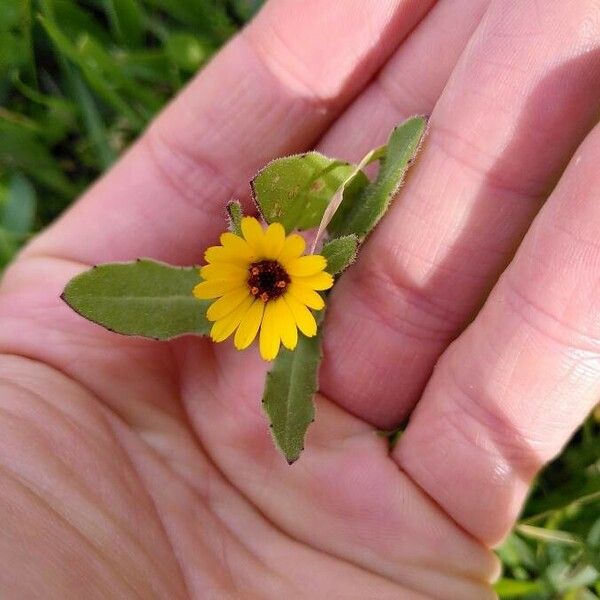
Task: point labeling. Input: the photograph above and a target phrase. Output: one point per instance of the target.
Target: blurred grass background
(79, 80)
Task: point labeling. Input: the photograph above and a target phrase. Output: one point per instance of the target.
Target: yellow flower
(262, 282)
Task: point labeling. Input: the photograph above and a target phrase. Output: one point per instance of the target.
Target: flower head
(261, 282)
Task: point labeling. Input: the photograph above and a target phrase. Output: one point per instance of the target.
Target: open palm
(131, 468)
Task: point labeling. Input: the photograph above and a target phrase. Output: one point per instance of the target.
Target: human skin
(136, 469)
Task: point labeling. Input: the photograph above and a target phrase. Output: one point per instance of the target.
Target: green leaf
(288, 395)
(97, 63)
(593, 537)
(515, 552)
(564, 576)
(145, 298)
(8, 247)
(548, 535)
(20, 149)
(127, 20)
(512, 588)
(58, 115)
(340, 253)
(340, 194)
(91, 117)
(583, 488)
(234, 211)
(580, 593)
(295, 190)
(75, 21)
(101, 73)
(372, 202)
(207, 17)
(19, 210)
(9, 14)
(246, 9)
(150, 65)
(186, 51)
(13, 52)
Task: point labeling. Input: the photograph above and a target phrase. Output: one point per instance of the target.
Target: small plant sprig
(259, 283)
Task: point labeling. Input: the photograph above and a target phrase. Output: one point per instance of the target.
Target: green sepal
(235, 215)
(340, 253)
(145, 298)
(295, 190)
(288, 397)
(361, 215)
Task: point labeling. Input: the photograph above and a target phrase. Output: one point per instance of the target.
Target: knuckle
(471, 156)
(188, 171)
(569, 334)
(477, 419)
(400, 305)
(590, 17)
(403, 96)
(287, 68)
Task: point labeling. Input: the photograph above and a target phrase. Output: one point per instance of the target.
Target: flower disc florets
(268, 280)
(262, 284)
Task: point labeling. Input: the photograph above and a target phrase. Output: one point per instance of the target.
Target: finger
(345, 496)
(410, 83)
(523, 95)
(271, 91)
(509, 393)
(385, 511)
(135, 211)
(380, 537)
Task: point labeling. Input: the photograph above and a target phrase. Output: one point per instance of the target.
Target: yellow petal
(286, 324)
(224, 271)
(223, 328)
(320, 281)
(238, 244)
(293, 247)
(207, 290)
(249, 325)
(227, 303)
(226, 255)
(274, 240)
(254, 234)
(269, 340)
(306, 265)
(305, 295)
(303, 317)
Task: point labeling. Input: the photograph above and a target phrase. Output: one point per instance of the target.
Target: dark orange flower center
(267, 280)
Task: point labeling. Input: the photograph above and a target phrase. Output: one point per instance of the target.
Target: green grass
(554, 551)
(80, 80)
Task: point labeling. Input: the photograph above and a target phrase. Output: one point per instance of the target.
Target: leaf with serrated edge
(235, 214)
(288, 396)
(340, 253)
(295, 190)
(145, 298)
(372, 202)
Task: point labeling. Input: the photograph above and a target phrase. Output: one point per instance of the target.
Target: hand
(138, 469)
